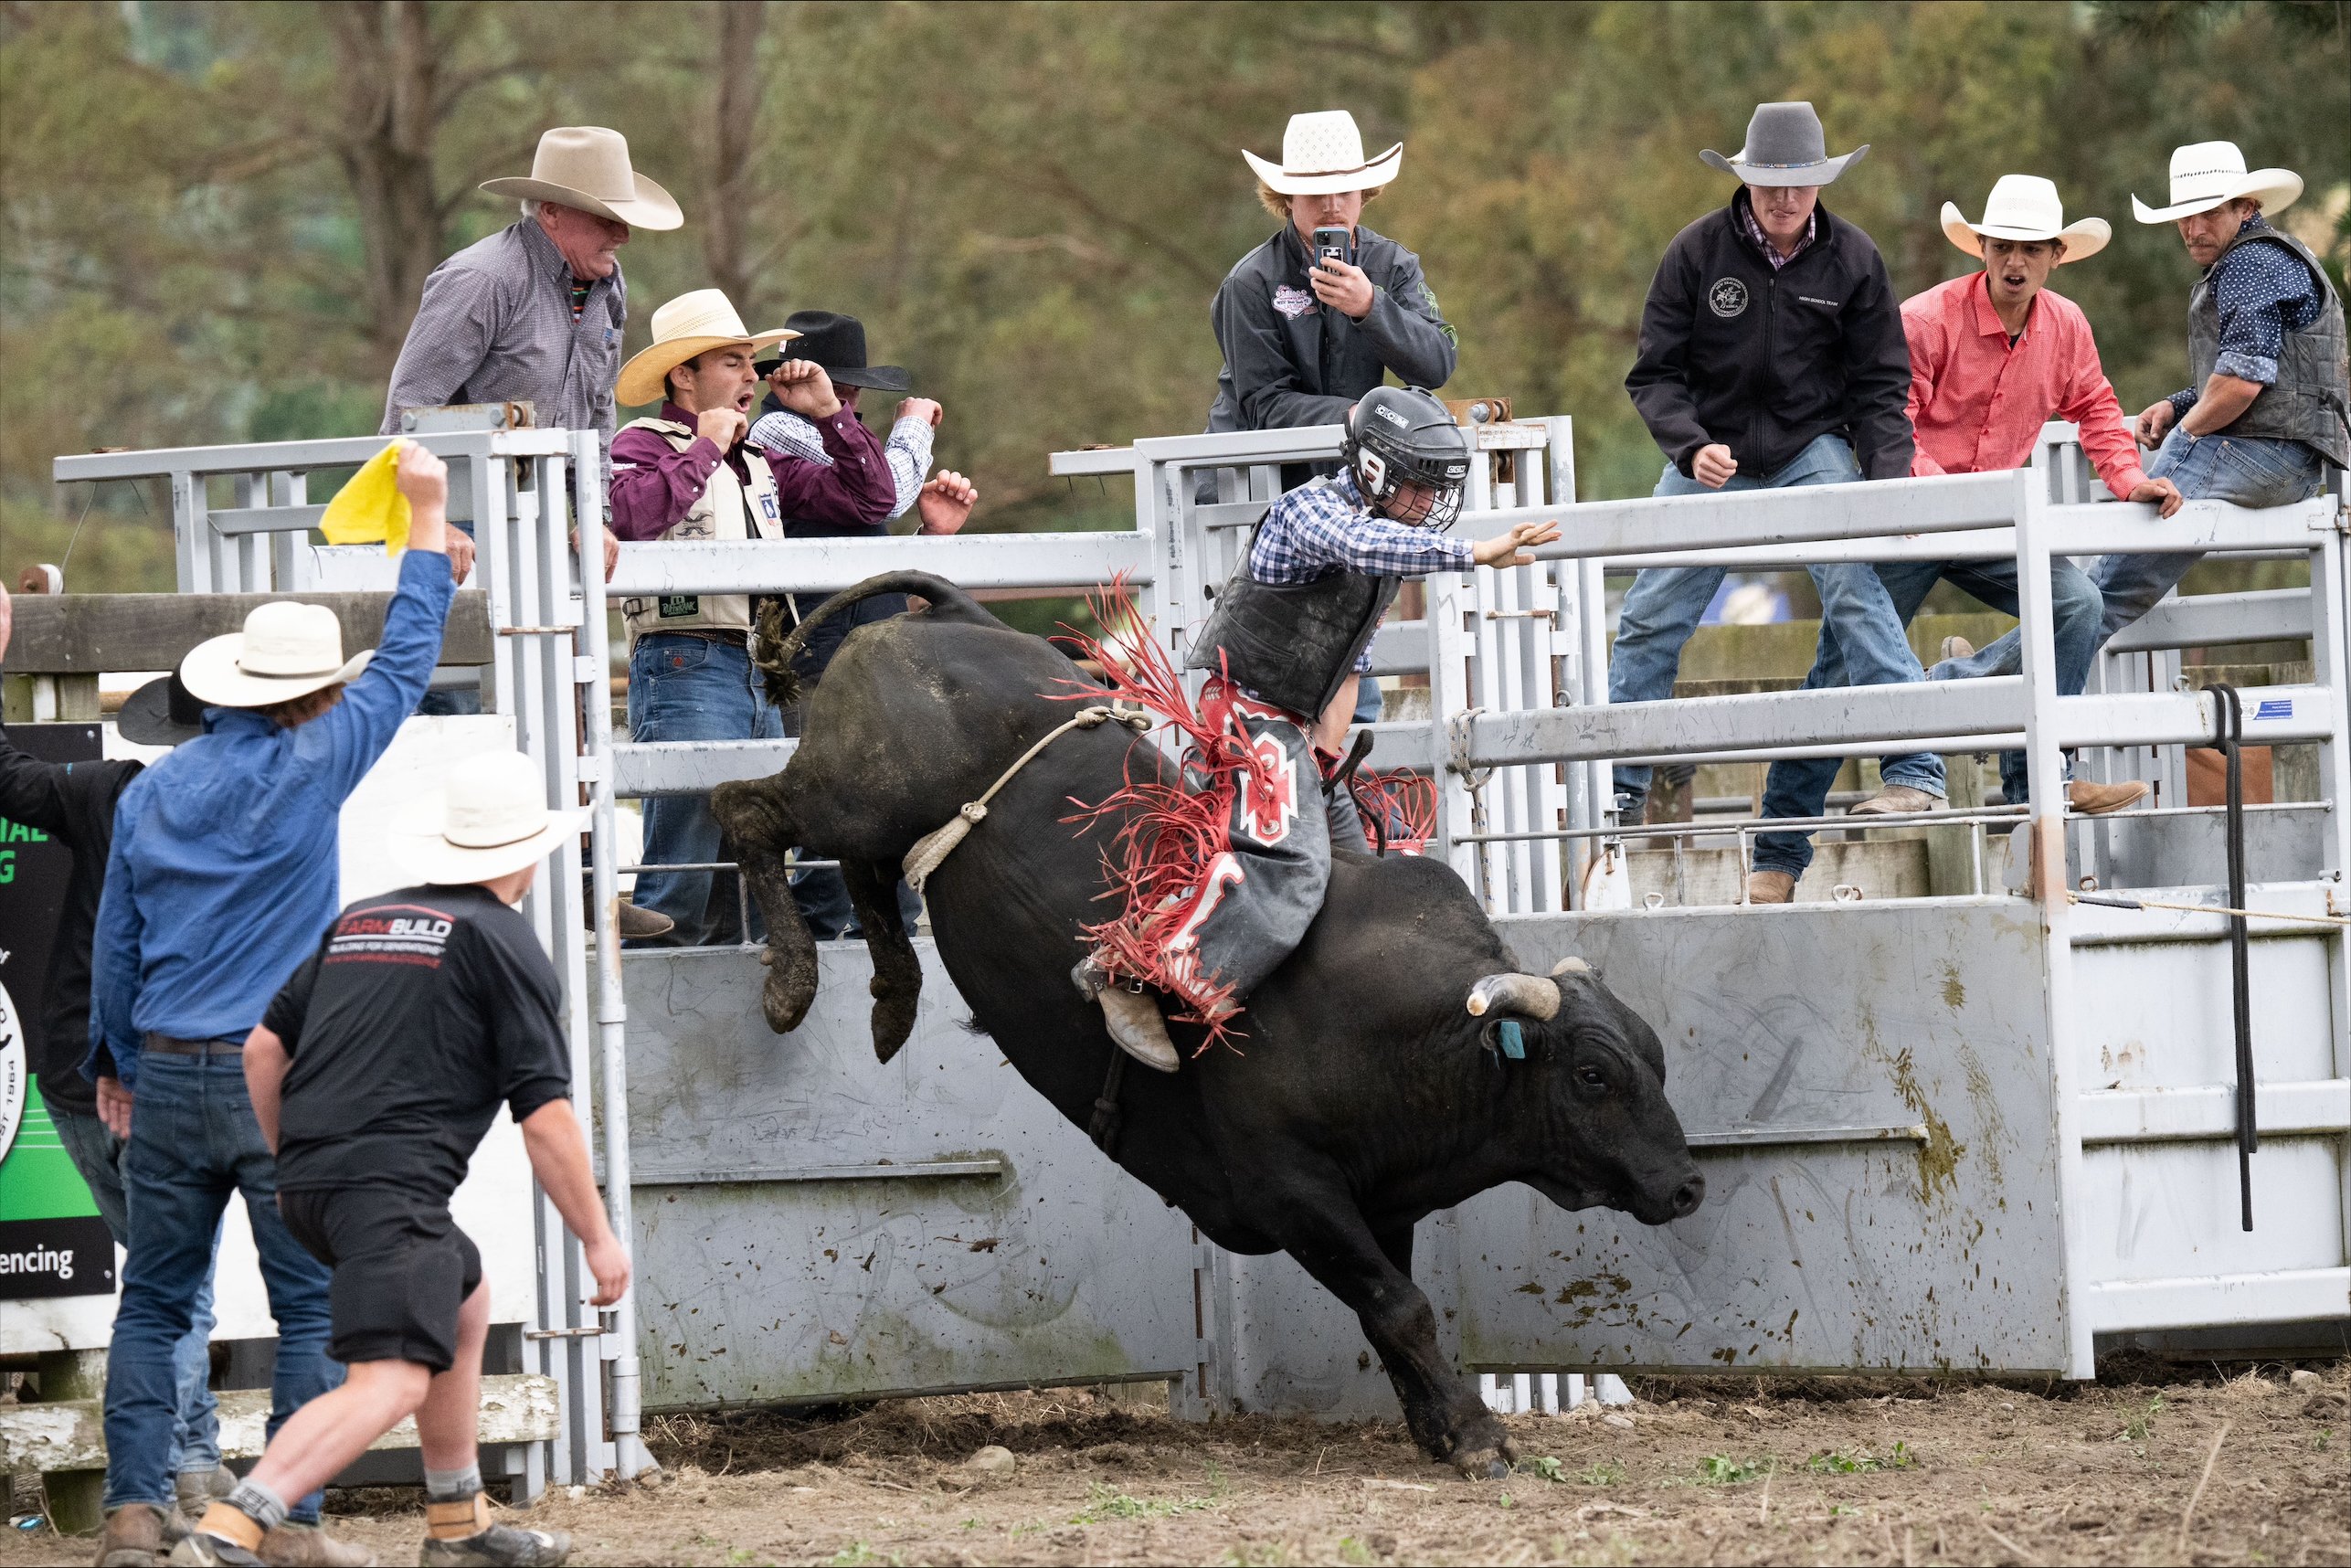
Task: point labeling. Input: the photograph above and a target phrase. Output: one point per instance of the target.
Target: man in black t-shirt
(375, 1073)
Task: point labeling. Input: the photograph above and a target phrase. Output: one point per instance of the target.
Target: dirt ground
(2168, 1469)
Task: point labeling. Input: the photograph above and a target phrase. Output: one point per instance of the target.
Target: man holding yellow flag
(221, 881)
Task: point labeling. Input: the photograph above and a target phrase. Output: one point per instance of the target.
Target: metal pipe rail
(1944, 711)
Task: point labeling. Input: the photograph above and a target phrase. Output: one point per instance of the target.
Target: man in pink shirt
(1994, 356)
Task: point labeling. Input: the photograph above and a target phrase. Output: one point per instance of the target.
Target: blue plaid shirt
(2263, 292)
(1325, 526)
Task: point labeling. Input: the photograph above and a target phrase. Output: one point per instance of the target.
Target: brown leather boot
(307, 1546)
(2089, 800)
(1770, 887)
(134, 1534)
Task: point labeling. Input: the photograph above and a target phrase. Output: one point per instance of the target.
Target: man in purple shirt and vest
(688, 473)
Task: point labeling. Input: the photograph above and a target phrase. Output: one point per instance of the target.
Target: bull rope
(934, 847)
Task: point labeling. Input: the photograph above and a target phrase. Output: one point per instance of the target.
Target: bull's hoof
(1485, 1463)
(784, 999)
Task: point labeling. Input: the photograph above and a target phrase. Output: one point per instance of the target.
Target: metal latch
(605, 1317)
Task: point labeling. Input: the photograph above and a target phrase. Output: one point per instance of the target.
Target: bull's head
(1596, 1130)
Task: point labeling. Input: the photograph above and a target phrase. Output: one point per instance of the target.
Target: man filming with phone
(1320, 314)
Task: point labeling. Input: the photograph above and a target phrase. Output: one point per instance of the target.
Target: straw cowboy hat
(586, 166)
(690, 325)
(286, 651)
(1323, 153)
(2024, 206)
(2205, 174)
(1785, 146)
(491, 817)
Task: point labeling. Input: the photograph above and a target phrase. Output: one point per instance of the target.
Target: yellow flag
(370, 506)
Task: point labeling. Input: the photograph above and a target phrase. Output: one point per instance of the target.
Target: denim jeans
(1799, 786)
(691, 688)
(196, 1430)
(2208, 468)
(1858, 620)
(193, 1142)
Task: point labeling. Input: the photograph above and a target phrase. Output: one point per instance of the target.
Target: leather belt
(731, 636)
(166, 1045)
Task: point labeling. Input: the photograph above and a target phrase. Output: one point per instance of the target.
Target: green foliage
(2142, 1422)
(1722, 1471)
(1108, 1502)
(1602, 1473)
(860, 1555)
(1860, 1461)
(217, 223)
(1545, 1466)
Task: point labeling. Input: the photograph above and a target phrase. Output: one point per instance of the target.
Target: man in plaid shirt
(1286, 649)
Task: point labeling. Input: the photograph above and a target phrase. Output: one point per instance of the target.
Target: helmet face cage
(1382, 477)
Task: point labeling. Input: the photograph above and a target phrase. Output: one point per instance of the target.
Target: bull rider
(1286, 649)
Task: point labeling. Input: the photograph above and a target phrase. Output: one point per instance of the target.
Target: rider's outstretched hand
(1510, 549)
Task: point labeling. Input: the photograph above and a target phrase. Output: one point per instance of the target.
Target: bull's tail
(773, 651)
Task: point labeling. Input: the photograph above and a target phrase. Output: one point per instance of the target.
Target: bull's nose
(1689, 1196)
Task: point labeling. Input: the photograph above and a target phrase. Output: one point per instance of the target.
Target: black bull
(1364, 1096)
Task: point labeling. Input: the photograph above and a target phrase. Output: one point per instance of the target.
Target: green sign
(52, 1242)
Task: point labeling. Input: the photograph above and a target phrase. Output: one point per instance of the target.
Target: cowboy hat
(1323, 153)
(837, 342)
(2024, 206)
(286, 651)
(1785, 146)
(163, 711)
(488, 818)
(2205, 174)
(690, 325)
(586, 166)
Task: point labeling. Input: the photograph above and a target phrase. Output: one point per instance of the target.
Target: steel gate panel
(1870, 1092)
(811, 1225)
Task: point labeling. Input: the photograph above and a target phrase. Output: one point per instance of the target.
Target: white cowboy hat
(586, 166)
(2205, 174)
(690, 325)
(2024, 206)
(1323, 153)
(489, 817)
(287, 650)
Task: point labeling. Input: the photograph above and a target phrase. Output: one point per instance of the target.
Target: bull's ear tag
(1514, 1040)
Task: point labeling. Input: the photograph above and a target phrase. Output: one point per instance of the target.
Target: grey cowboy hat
(1785, 147)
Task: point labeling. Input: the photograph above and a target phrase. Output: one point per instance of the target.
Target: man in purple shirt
(688, 473)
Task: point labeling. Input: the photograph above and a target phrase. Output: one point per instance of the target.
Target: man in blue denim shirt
(222, 879)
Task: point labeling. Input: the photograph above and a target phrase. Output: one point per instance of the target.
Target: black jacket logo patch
(1728, 298)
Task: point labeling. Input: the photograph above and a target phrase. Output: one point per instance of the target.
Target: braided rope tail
(773, 650)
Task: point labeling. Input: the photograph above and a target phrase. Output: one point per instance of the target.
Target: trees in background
(218, 216)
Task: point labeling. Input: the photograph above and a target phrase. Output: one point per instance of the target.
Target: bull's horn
(1570, 965)
(1529, 996)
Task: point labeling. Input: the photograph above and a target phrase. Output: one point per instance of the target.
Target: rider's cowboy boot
(1132, 1016)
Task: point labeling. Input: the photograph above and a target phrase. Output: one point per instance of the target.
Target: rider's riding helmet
(1402, 436)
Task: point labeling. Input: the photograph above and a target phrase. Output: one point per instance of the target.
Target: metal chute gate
(1975, 1130)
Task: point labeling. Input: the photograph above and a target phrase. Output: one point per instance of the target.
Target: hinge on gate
(592, 767)
(583, 670)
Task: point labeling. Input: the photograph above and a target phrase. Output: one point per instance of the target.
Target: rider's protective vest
(1292, 644)
(2311, 400)
(729, 509)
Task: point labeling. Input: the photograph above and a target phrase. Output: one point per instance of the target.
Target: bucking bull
(1366, 1089)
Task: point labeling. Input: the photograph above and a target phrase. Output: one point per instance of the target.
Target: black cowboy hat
(161, 713)
(838, 344)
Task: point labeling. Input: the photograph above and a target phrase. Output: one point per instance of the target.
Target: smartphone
(1334, 245)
